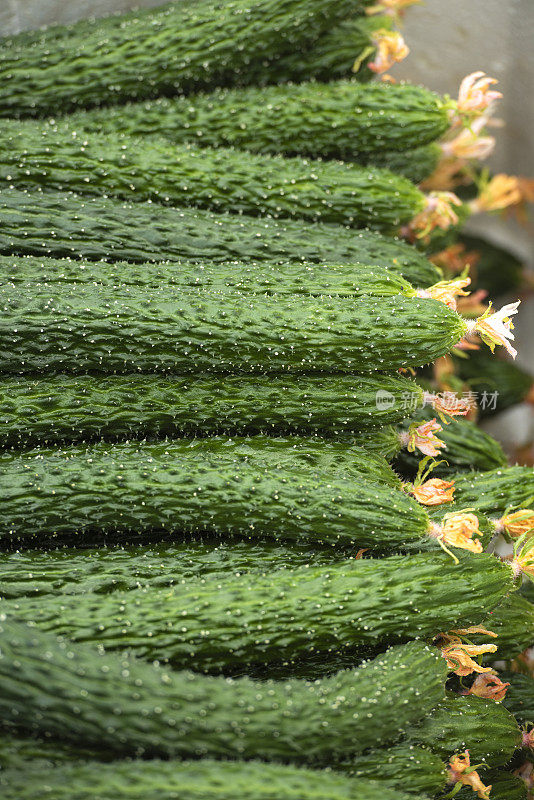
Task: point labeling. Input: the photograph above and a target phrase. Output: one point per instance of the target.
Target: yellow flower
(433, 492)
(459, 655)
(460, 771)
(468, 145)
(446, 291)
(489, 686)
(424, 437)
(517, 523)
(495, 327)
(390, 49)
(459, 529)
(475, 95)
(501, 192)
(438, 213)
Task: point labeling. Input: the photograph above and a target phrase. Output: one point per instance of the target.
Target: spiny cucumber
(191, 780)
(498, 384)
(416, 164)
(186, 487)
(513, 621)
(519, 698)
(483, 727)
(79, 328)
(222, 624)
(406, 767)
(221, 179)
(64, 408)
(114, 703)
(170, 50)
(23, 752)
(504, 786)
(343, 119)
(494, 491)
(64, 224)
(337, 280)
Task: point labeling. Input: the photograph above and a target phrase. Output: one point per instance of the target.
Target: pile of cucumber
(226, 568)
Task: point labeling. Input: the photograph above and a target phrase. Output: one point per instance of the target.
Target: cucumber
(513, 621)
(416, 165)
(24, 753)
(415, 770)
(191, 780)
(220, 179)
(483, 727)
(79, 328)
(351, 280)
(170, 50)
(467, 447)
(383, 442)
(519, 698)
(497, 269)
(185, 487)
(498, 384)
(494, 491)
(331, 57)
(328, 610)
(34, 573)
(63, 224)
(121, 706)
(61, 408)
(343, 119)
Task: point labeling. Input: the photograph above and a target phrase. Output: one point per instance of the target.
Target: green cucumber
(332, 56)
(59, 224)
(22, 753)
(61, 408)
(122, 706)
(513, 621)
(343, 119)
(413, 769)
(483, 727)
(494, 491)
(519, 698)
(220, 179)
(78, 328)
(497, 269)
(384, 442)
(170, 50)
(208, 486)
(416, 165)
(328, 610)
(346, 280)
(205, 778)
(34, 573)
(466, 447)
(497, 384)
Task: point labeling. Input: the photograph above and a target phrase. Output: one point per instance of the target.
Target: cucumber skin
(64, 224)
(220, 179)
(122, 706)
(245, 615)
(334, 280)
(494, 491)
(483, 727)
(413, 769)
(416, 165)
(485, 373)
(504, 786)
(183, 488)
(513, 621)
(170, 50)
(343, 119)
(227, 780)
(78, 328)
(519, 698)
(62, 409)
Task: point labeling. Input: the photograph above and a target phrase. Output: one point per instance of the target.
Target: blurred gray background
(448, 40)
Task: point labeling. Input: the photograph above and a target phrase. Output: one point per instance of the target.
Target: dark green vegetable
(256, 619)
(343, 119)
(190, 780)
(24, 753)
(416, 164)
(513, 621)
(59, 224)
(503, 786)
(497, 269)
(483, 727)
(494, 491)
(498, 384)
(125, 707)
(170, 50)
(247, 488)
(79, 328)
(220, 179)
(413, 769)
(61, 408)
(519, 698)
